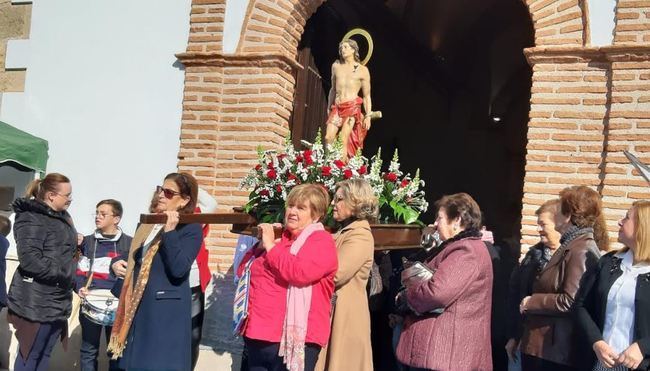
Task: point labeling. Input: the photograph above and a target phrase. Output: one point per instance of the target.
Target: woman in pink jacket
(452, 328)
(291, 286)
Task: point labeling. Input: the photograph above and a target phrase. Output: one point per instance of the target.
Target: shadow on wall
(217, 326)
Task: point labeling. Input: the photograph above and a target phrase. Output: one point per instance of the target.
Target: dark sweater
(521, 285)
(97, 251)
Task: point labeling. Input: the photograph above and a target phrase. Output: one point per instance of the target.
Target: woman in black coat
(612, 308)
(40, 295)
(152, 330)
(523, 276)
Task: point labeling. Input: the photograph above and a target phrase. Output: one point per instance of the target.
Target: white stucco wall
(233, 22)
(103, 88)
(601, 21)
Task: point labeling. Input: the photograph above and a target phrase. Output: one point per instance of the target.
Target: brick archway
(586, 104)
(555, 22)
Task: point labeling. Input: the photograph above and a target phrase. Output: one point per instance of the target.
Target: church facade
(587, 104)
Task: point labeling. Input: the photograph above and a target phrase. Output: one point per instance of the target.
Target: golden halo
(366, 35)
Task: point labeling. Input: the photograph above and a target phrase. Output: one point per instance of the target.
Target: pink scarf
(294, 330)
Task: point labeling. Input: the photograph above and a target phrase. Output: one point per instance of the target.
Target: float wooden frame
(387, 236)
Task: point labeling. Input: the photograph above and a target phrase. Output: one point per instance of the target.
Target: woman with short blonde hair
(359, 197)
(354, 206)
(291, 286)
(315, 195)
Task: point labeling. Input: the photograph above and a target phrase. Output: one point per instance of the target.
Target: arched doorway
(453, 84)
(250, 95)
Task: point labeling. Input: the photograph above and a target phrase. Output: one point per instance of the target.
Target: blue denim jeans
(515, 365)
(39, 356)
(90, 340)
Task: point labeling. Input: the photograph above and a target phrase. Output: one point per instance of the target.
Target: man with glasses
(94, 277)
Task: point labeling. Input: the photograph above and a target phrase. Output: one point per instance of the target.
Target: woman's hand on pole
(172, 220)
(267, 235)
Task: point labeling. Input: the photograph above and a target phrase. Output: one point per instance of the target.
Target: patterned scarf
(294, 329)
(572, 233)
(132, 294)
(547, 254)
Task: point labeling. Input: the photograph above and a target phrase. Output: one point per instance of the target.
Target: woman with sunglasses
(152, 329)
(200, 274)
(40, 295)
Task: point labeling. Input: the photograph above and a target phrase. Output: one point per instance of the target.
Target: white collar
(100, 236)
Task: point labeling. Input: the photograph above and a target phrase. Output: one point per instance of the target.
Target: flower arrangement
(401, 199)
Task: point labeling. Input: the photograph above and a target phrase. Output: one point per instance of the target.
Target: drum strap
(90, 270)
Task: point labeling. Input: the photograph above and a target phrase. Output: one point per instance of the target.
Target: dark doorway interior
(453, 84)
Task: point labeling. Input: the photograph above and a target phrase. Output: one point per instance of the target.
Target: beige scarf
(132, 294)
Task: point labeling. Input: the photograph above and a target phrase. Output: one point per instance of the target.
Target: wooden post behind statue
(346, 118)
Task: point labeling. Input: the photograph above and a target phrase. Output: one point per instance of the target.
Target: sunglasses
(168, 193)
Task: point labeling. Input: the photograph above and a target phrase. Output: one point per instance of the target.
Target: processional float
(347, 126)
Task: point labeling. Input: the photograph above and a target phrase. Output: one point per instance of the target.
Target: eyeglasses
(68, 196)
(102, 216)
(168, 193)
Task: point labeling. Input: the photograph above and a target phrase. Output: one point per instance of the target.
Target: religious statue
(349, 76)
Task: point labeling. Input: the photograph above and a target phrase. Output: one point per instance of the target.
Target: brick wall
(231, 106)
(558, 22)
(599, 107)
(587, 104)
(629, 129)
(273, 25)
(632, 21)
(206, 25)
(565, 132)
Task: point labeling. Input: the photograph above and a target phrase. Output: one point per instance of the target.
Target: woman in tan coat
(349, 347)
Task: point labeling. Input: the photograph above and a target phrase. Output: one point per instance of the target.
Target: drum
(100, 306)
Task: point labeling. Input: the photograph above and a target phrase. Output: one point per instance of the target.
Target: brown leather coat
(548, 328)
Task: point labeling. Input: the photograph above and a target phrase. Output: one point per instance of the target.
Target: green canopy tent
(22, 148)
